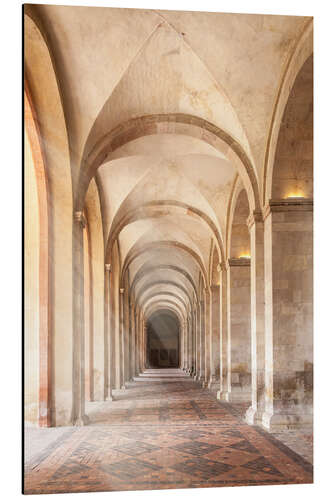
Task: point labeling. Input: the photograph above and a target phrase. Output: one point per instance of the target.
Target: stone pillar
(190, 342)
(143, 334)
(122, 342)
(256, 228)
(107, 336)
(126, 332)
(239, 330)
(214, 347)
(144, 350)
(133, 339)
(194, 338)
(139, 323)
(185, 351)
(289, 313)
(78, 413)
(202, 341)
(197, 343)
(138, 343)
(207, 336)
(223, 279)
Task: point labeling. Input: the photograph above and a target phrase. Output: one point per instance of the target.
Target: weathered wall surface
(289, 318)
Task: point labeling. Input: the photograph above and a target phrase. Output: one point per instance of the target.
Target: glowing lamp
(245, 256)
(295, 194)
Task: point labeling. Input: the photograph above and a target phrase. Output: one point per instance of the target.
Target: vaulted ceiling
(160, 107)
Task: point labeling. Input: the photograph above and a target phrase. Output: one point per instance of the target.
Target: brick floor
(164, 431)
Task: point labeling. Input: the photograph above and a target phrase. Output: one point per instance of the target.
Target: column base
(109, 398)
(211, 381)
(253, 416)
(237, 397)
(204, 384)
(282, 421)
(214, 387)
(82, 420)
(221, 395)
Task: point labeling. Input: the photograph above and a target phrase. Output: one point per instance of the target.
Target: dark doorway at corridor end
(163, 340)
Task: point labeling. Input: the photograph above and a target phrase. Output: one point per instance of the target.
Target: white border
(11, 246)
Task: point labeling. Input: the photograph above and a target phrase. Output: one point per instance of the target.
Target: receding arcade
(168, 232)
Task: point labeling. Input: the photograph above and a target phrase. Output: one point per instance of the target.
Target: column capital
(256, 216)
(240, 261)
(108, 268)
(220, 267)
(80, 218)
(288, 205)
(121, 290)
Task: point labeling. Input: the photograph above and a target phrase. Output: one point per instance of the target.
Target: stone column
(133, 339)
(197, 343)
(289, 313)
(78, 413)
(142, 335)
(122, 342)
(214, 347)
(107, 335)
(137, 343)
(206, 335)
(139, 323)
(223, 278)
(185, 344)
(256, 228)
(190, 342)
(194, 338)
(239, 330)
(202, 341)
(144, 350)
(126, 332)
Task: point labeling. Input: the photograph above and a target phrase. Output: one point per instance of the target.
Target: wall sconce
(295, 194)
(245, 256)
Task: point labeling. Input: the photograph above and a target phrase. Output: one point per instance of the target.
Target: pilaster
(107, 335)
(256, 229)
(78, 414)
(289, 313)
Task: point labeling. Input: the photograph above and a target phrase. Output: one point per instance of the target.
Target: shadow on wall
(163, 340)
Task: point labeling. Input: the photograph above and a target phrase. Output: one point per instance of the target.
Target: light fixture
(245, 256)
(295, 194)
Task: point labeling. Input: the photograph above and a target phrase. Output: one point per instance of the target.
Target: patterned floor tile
(162, 432)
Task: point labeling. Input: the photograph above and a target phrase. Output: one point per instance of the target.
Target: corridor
(162, 431)
(168, 287)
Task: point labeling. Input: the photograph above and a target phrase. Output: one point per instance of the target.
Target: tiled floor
(300, 441)
(164, 431)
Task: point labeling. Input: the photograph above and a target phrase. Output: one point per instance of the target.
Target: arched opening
(163, 340)
(36, 278)
(289, 264)
(293, 166)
